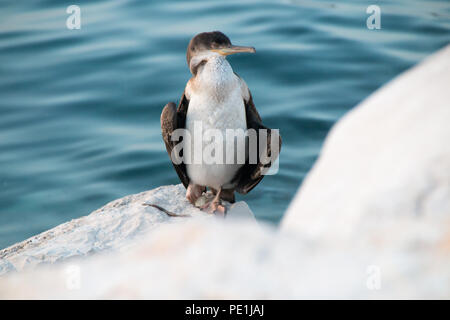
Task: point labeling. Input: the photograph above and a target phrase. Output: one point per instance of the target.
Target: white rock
(385, 165)
(241, 211)
(213, 259)
(114, 226)
(202, 259)
(382, 182)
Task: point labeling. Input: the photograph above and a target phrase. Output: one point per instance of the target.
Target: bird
(219, 99)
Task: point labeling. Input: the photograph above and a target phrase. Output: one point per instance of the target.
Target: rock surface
(370, 221)
(116, 226)
(385, 165)
(382, 180)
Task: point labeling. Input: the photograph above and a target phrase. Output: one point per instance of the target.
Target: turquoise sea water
(79, 109)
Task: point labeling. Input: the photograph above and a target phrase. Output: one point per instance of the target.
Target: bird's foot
(194, 192)
(210, 203)
(214, 207)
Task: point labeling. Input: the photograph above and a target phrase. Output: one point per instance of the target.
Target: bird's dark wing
(250, 175)
(172, 119)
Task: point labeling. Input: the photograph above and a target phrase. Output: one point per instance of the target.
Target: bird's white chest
(228, 113)
(217, 112)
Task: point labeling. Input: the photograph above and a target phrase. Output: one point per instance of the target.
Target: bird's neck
(216, 77)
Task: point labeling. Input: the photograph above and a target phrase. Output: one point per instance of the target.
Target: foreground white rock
(208, 258)
(370, 221)
(197, 259)
(383, 179)
(384, 169)
(117, 226)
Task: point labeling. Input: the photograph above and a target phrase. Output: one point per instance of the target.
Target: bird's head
(208, 45)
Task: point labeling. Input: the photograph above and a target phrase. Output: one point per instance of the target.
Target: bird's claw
(214, 207)
(194, 193)
(217, 208)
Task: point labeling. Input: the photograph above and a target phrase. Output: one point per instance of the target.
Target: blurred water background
(79, 109)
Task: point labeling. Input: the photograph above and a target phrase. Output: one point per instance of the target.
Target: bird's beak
(234, 49)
